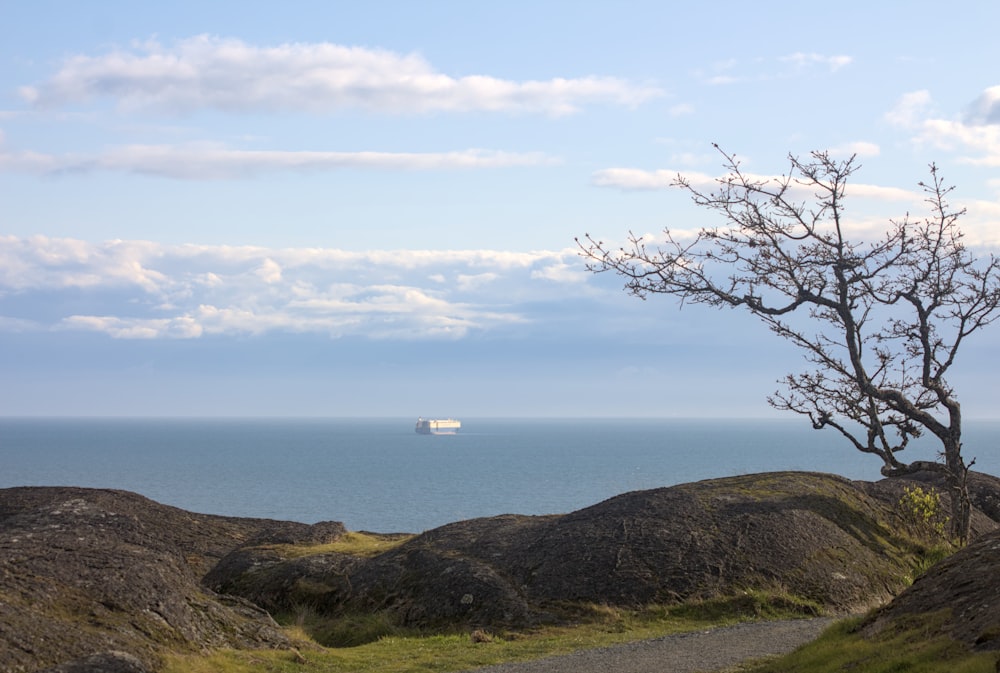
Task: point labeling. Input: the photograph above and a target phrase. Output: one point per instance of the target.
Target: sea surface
(379, 475)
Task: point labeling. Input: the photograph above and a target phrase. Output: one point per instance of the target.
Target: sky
(370, 209)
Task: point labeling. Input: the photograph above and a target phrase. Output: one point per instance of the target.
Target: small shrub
(923, 509)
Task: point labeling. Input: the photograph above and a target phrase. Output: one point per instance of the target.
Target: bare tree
(880, 322)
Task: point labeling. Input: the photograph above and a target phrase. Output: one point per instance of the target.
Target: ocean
(379, 475)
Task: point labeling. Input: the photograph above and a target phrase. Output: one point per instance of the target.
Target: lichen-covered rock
(427, 587)
(89, 571)
(278, 584)
(962, 592)
(808, 533)
(103, 662)
(819, 537)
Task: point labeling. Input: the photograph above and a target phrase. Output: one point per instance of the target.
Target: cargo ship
(431, 426)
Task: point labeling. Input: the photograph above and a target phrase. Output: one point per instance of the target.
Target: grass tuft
(356, 630)
(365, 545)
(927, 557)
(750, 605)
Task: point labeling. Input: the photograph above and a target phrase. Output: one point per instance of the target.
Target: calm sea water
(377, 474)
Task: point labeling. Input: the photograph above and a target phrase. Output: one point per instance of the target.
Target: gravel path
(694, 652)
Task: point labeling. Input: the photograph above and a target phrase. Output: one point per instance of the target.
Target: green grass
(749, 605)
(927, 557)
(365, 545)
(392, 649)
(410, 654)
(916, 647)
(350, 630)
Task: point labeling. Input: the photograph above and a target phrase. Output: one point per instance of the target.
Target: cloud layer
(216, 162)
(207, 72)
(140, 289)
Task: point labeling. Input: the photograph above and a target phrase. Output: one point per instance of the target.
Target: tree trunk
(961, 513)
(957, 479)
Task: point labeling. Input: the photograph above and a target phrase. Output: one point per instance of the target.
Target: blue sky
(369, 209)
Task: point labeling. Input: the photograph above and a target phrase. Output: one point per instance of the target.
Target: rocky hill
(818, 537)
(116, 580)
(85, 571)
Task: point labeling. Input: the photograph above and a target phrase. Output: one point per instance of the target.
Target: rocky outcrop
(961, 593)
(819, 537)
(100, 580)
(87, 572)
(278, 584)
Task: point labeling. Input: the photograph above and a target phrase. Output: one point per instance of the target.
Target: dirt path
(695, 652)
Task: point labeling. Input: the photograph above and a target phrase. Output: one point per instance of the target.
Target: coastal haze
(369, 209)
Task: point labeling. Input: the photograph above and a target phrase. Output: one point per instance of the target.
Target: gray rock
(819, 537)
(961, 590)
(105, 662)
(91, 570)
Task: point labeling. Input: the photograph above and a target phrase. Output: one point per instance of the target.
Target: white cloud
(859, 148)
(881, 202)
(986, 108)
(634, 178)
(638, 179)
(887, 194)
(561, 273)
(269, 271)
(201, 161)
(144, 290)
(181, 327)
(207, 72)
(39, 261)
(473, 281)
(910, 109)
(732, 71)
(953, 136)
(977, 137)
(980, 223)
(28, 162)
(803, 60)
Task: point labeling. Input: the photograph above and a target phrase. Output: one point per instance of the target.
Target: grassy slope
(916, 647)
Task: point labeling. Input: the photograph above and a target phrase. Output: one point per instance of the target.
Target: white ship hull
(431, 426)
